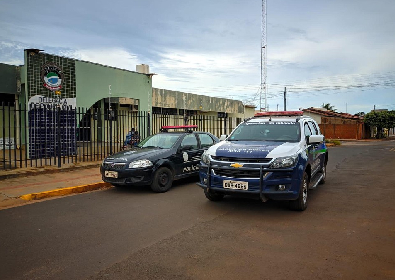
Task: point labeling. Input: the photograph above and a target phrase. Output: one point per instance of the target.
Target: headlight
(205, 158)
(284, 162)
(140, 163)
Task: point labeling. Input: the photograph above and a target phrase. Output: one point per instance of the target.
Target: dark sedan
(159, 159)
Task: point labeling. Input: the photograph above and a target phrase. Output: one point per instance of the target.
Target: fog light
(281, 188)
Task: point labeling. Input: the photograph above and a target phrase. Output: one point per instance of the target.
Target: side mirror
(223, 137)
(315, 139)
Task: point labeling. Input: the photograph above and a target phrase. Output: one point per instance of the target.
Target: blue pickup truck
(274, 155)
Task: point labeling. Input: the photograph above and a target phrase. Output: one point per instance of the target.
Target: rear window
(268, 131)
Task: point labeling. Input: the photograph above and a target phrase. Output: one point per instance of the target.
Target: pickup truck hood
(253, 149)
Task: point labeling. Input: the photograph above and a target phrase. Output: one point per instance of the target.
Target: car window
(189, 140)
(162, 140)
(206, 140)
(307, 131)
(316, 128)
(313, 129)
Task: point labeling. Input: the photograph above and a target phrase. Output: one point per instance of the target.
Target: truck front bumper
(275, 184)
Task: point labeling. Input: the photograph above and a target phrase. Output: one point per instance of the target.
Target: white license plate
(235, 185)
(111, 174)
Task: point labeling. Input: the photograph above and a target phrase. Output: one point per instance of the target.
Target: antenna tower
(263, 58)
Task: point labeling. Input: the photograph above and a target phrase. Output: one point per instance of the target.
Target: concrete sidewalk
(26, 184)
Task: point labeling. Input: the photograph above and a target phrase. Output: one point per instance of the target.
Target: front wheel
(163, 180)
(213, 196)
(300, 204)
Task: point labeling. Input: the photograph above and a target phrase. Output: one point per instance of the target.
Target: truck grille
(244, 160)
(236, 173)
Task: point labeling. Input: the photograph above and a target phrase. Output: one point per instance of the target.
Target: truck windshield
(268, 131)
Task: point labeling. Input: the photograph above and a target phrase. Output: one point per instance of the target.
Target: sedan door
(191, 154)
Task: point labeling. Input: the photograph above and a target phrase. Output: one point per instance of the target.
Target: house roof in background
(328, 113)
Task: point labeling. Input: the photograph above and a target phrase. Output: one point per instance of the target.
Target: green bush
(333, 141)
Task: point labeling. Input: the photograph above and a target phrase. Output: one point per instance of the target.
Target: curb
(32, 171)
(65, 191)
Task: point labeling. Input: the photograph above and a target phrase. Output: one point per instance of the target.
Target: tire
(163, 180)
(323, 171)
(213, 196)
(300, 204)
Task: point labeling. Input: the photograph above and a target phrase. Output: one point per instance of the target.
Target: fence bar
(3, 113)
(20, 136)
(50, 134)
(9, 134)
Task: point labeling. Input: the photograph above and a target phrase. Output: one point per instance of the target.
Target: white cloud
(203, 73)
(115, 57)
(324, 51)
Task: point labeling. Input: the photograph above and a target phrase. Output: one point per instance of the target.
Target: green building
(91, 102)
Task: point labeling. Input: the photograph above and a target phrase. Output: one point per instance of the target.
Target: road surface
(347, 232)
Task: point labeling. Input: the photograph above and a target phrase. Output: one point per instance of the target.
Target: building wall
(315, 117)
(34, 62)
(8, 79)
(181, 100)
(93, 80)
(343, 131)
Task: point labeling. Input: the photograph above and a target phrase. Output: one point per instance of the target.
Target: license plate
(111, 174)
(235, 185)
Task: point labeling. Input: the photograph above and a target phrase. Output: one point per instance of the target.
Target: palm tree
(328, 106)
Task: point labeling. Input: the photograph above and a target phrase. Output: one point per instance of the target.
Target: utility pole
(285, 98)
(263, 57)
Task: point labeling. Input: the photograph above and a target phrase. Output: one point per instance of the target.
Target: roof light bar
(186, 127)
(279, 114)
(178, 126)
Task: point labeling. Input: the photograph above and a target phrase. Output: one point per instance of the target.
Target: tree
(360, 114)
(380, 120)
(328, 106)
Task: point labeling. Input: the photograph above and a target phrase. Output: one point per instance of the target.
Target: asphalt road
(347, 232)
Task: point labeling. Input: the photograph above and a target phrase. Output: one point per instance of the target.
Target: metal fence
(41, 136)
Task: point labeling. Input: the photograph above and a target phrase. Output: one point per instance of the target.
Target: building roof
(328, 113)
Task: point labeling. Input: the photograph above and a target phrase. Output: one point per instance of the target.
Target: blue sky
(340, 52)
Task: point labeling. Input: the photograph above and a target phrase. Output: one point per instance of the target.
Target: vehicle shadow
(244, 204)
(147, 189)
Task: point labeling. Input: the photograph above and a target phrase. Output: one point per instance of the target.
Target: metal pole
(109, 116)
(285, 98)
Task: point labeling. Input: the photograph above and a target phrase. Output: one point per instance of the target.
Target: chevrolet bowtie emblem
(236, 165)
